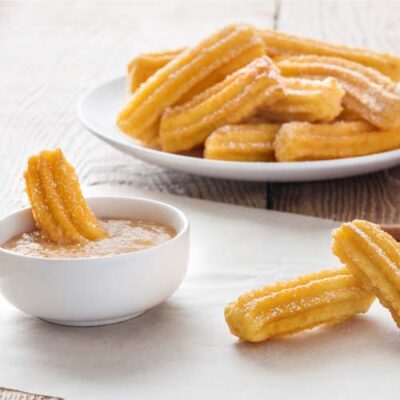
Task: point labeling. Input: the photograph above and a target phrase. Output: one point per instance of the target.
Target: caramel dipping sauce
(125, 236)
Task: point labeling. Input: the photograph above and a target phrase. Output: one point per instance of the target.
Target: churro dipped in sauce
(66, 226)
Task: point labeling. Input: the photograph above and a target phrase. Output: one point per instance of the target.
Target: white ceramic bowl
(101, 290)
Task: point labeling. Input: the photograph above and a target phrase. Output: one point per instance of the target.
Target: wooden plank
(357, 23)
(11, 394)
(53, 51)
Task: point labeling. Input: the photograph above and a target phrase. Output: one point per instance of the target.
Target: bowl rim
(180, 214)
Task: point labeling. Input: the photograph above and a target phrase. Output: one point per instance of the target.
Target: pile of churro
(245, 94)
(371, 259)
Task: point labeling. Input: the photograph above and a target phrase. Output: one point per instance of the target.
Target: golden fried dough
(293, 306)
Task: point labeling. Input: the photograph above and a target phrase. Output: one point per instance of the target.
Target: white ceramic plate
(98, 110)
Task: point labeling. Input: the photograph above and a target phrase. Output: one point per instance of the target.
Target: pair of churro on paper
(245, 94)
(371, 259)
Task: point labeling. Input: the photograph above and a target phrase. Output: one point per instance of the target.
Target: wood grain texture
(371, 25)
(11, 394)
(52, 52)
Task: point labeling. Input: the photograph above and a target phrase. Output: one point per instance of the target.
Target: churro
(187, 70)
(232, 100)
(58, 207)
(303, 303)
(247, 142)
(144, 65)
(283, 44)
(302, 141)
(307, 100)
(373, 256)
(373, 96)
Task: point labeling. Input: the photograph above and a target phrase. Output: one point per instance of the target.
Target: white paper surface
(182, 349)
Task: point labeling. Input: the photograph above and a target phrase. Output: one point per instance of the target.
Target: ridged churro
(246, 142)
(293, 306)
(144, 65)
(58, 207)
(307, 100)
(302, 141)
(373, 96)
(230, 101)
(283, 44)
(373, 256)
(187, 70)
